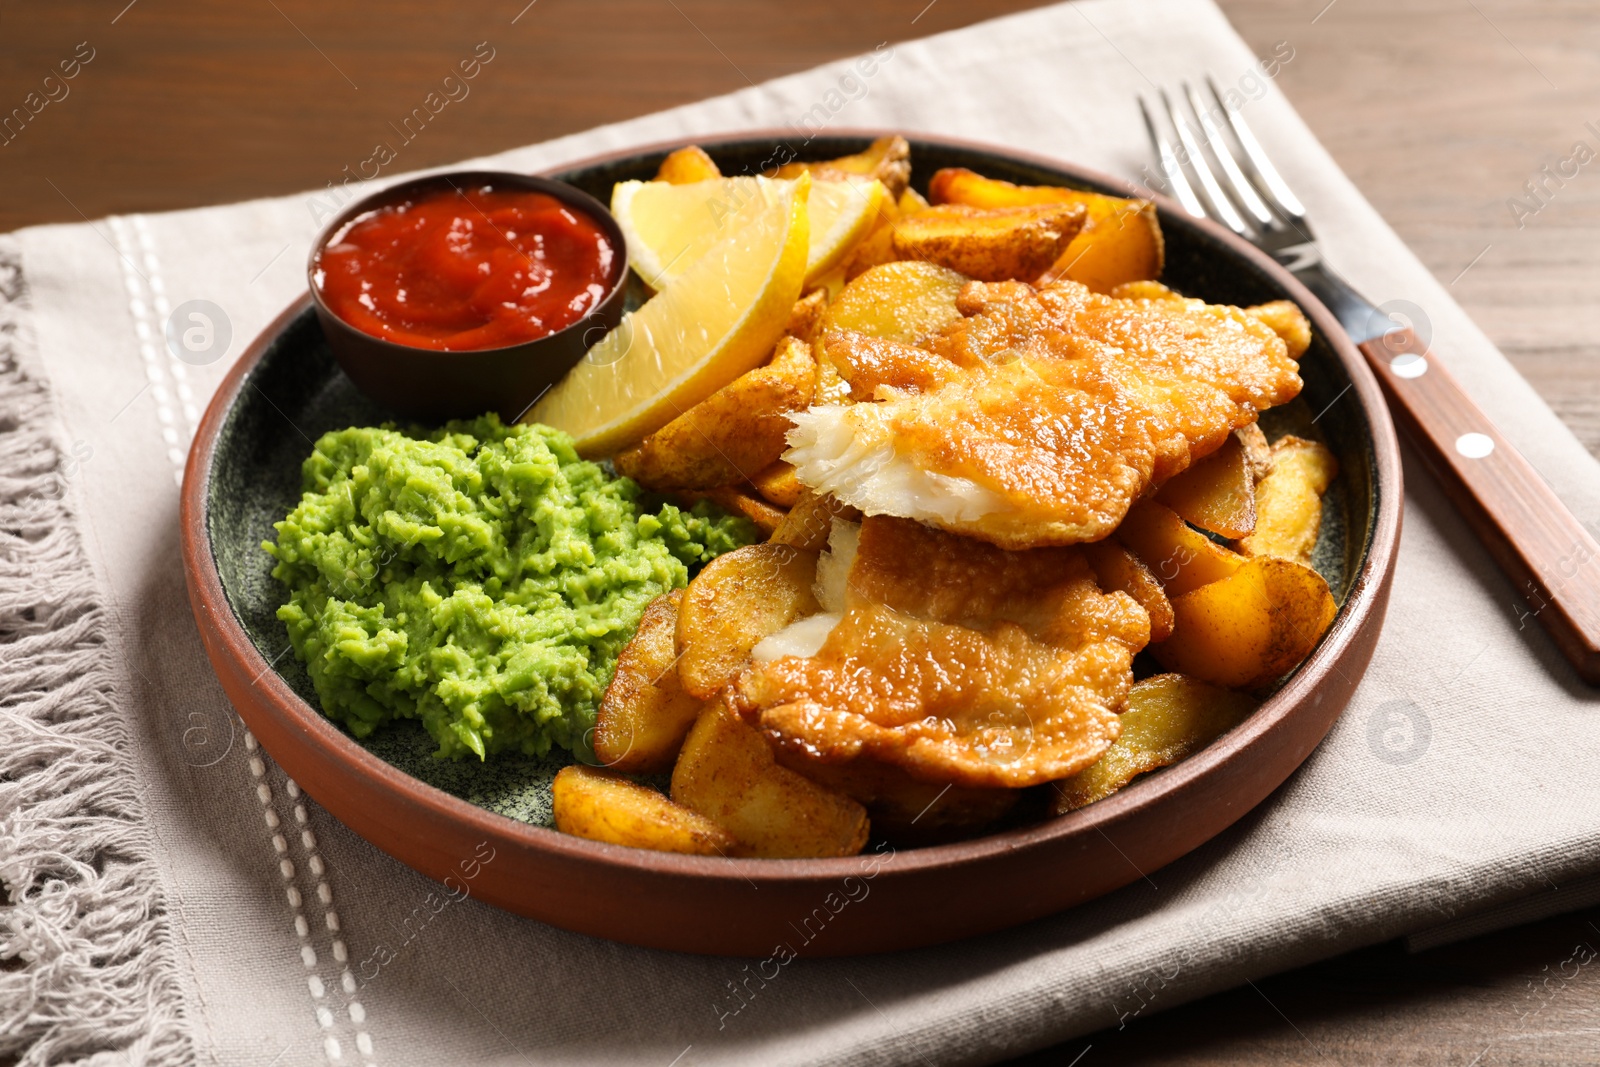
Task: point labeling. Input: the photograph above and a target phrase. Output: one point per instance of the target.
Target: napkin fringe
(87, 969)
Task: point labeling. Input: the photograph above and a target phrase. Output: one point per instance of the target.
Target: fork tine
(1208, 181)
(1171, 168)
(1277, 188)
(1248, 197)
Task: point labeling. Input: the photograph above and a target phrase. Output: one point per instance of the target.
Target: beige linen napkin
(235, 911)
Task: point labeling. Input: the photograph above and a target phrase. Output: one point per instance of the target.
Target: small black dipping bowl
(430, 385)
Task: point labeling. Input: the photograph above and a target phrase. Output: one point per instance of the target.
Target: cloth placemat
(177, 900)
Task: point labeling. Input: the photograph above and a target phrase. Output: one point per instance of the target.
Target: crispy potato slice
(645, 714)
(903, 808)
(805, 319)
(1147, 289)
(687, 165)
(736, 600)
(602, 805)
(887, 159)
(732, 434)
(1118, 570)
(778, 485)
(990, 244)
(1288, 322)
(1257, 452)
(1120, 241)
(877, 248)
(738, 500)
(831, 283)
(1183, 558)
(1218, 493)
(1250, 628)
(874, 250)
(1289, 500)
(830, 387)
(867, 362)
(810, 521)
(727, 773)
(908, 302)
(1167, 718)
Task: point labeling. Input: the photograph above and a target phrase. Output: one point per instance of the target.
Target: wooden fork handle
(1553, 560)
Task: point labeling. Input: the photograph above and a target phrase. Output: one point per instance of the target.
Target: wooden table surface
(1440, 110)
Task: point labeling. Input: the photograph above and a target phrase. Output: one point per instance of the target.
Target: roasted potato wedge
(732, 434)
(742, 500)
(1118, 570)
(1183, 558)
(1288, 322)
(831, 283)
(602, 805)
(805, 318)
(1120, 240)
(687, 165)
(810, 521)
(990, 244)
(830, 387)
(1218, 493)
(727, 773)
(1250, 628)
(867, 362)
(908, 302)
(778, 485)
(1147, 289)
(1167, 718)
(887, 159)
(905, 809)
(874, 250)
(1257, 452)
(645, 714)
(877, 248)
(736, 600)
(1289, 500)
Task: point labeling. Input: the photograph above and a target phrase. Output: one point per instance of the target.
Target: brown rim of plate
(1328, 676)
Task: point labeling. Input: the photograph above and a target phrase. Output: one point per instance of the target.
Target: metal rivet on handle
(1474, 445)
(1409, 365)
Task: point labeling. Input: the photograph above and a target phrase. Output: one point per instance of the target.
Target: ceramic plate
(443, 818)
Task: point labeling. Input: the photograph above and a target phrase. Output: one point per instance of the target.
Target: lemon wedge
(706, 326)
(842, 214)
(669, 227)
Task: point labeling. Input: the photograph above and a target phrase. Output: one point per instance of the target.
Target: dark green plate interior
(297, 392)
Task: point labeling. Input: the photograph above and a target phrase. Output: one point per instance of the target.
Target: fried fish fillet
(1052, 410)
(954, 660)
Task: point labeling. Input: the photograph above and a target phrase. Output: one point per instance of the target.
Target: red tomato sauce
(464, 270)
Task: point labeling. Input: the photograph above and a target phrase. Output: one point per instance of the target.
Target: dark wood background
(1440, 110)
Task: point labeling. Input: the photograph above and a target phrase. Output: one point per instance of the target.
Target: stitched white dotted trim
(315, 983)
(151, 334)
(330, 919)
(158, 300)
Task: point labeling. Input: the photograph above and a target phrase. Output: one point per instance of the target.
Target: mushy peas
(481, 579)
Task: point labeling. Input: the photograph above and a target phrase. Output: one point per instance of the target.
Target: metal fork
(1553, 560)
(1263, 209)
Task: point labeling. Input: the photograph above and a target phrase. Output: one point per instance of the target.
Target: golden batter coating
(1065, 407)
(957, 661)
